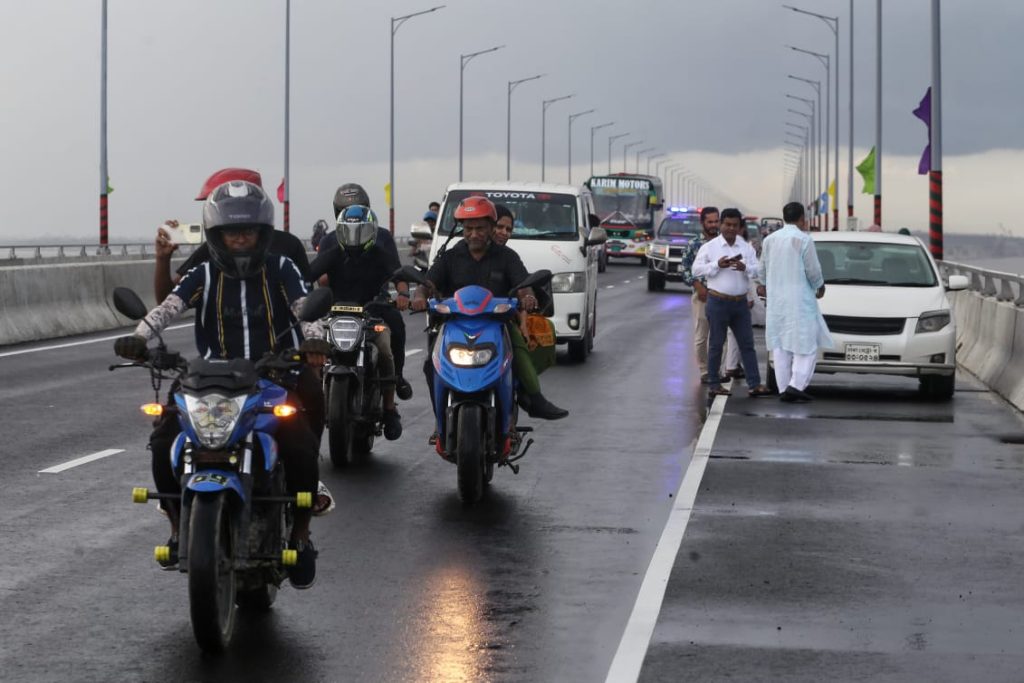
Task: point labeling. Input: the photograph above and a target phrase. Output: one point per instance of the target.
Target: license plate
(862, 353)
(616, 246)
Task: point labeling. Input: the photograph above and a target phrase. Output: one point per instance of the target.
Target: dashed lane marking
(57, 469)
(629, 658)
(609, 286)
(412, 352)
(77, 343)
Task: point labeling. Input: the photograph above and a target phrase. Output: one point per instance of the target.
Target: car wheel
(602, 262)
(655, 281)
(938, 387)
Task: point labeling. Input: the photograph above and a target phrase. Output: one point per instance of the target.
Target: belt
(727, 297)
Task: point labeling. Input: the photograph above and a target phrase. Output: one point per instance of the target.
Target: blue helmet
(357, 228)
(430, 216)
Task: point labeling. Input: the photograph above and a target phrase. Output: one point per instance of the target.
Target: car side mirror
(128, 304)
(421, 232)
(957, 283)
(317, 304)
(592, 220)
(597, 236)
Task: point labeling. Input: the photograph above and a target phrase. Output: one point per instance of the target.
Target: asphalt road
(535, 583)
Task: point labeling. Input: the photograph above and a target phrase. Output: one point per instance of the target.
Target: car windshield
(679, 227)
(623, 200)
(538, 215)
(877, 264)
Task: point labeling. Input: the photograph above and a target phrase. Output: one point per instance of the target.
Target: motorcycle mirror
(128, 304)
(534, 279)
(421, 232)
(409, 274)
(421, 264)
(317, 304)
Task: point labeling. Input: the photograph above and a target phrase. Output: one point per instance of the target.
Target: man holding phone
(728, 265)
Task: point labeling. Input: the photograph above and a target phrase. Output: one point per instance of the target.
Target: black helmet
(238, 205)
(348, 195)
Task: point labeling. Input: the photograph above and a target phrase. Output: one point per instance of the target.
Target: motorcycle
(474, 390)
(421, 238)
(352, 381)
(236, 516)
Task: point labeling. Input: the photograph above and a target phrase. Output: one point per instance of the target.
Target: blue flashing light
(681, 209)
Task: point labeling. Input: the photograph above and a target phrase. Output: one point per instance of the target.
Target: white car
(555, 229)
(886, 307)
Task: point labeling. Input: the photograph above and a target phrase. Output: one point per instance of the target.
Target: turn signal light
(154, 409)
(379, 328)
(284, 410)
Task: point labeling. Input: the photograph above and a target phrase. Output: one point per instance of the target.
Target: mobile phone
(737, 257)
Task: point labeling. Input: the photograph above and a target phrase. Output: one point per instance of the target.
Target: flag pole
(935, 172)
(849, 172)
(878, 115)
(287, 103)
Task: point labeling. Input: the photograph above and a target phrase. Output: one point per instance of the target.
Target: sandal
(760, 391)
(719, 391)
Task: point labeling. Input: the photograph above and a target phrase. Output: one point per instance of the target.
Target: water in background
(1014, 264)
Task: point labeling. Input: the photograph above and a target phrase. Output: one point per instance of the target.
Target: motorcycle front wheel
(339, 423)
(211, 576)
(469, 451)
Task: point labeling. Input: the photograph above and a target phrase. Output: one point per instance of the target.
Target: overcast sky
(195, 85)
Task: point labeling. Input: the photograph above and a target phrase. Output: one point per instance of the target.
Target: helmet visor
(355, 235)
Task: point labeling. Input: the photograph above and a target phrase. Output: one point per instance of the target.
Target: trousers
(726, 315)
(793, 369)
(700, 332)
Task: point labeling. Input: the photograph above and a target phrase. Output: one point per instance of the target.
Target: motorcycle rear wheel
(469, 451)
(211, 576)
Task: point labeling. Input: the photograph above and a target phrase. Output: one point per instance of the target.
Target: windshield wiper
(853, 281)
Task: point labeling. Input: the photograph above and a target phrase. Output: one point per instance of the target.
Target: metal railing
(14, 254)
(991, 283)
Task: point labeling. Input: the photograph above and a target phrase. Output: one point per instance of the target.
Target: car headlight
(932, 321)
(214, 416)
(564, 283)
(659, 250)
(465, 357)
(345, 332)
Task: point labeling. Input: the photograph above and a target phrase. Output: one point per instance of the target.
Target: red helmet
(476, 207)
(226, 175)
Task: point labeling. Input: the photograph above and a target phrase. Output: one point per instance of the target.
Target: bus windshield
(621, 201)
(538, 215)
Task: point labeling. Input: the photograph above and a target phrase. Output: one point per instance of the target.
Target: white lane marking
(57, 469)
(78, 343)
(609, 286)
(629, 658)
(626, 282)
(412, 352)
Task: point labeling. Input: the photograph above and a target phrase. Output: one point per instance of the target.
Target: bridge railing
(43, 252)
(989, 283)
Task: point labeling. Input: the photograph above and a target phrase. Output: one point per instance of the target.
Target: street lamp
(593, 129)
(825, 61)
(543, 125)
(816, 84)
(611, 139)
(833, 24)
(625, 148)
(512, 85)
(815, 164)
(636, 166)
(657, 164)
(651, 158)
(104, 177)
(573, 117)
(396, 23)
(463, 61)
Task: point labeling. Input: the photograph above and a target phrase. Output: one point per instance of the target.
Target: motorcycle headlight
(214, 417)
(932, 321)
(344, 332)
(465, 357)
(565, 283)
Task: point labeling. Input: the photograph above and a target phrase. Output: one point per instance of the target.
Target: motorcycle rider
(245, 296)
(358, 265)
(348, 195)
(478, 260)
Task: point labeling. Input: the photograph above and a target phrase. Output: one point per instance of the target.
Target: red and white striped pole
(104, 176)
(935, 172)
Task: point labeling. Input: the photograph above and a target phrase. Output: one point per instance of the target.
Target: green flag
(866, 169)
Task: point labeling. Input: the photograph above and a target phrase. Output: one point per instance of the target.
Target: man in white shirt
(728, 265)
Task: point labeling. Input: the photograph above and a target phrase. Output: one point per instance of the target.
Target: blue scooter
(235, 514)
(474, 392)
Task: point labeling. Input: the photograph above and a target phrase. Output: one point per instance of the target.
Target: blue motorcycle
(235, 514)
(474, 392)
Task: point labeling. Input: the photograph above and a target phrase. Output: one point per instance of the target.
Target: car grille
(676, 252)
(878, 326)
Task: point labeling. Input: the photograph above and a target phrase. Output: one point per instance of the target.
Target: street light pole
(611, 139)
(396, 23)
(878, 115)
(817, 162)
(935, 170)
(573, 117)
(512, 85)
(625, 148)
(825, 61)
(594, 129)
(651, 158)
(815, 171)
(463, 61)
(543, 135)
(804, 161)
(636, 166)
(287, 109)
(104, 176)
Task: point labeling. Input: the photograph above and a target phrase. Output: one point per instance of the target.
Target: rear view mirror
(597, 236)
(317, 304)
(957, 283)
(128, 304)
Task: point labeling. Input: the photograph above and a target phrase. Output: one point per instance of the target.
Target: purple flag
(924, 112)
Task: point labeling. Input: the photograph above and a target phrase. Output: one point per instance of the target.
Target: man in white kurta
(794, 327)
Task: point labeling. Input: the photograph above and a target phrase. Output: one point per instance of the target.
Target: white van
(555, 229)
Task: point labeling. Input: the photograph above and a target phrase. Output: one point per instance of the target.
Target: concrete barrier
(990, 340)
(1011, 382)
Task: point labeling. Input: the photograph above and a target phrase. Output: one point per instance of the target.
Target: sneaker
(392, 425)
(172, 562)
(544, 409)
(403, 389)
(302, 574)
(324, 501)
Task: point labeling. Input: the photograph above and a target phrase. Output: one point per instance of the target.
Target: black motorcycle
(352, 381)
